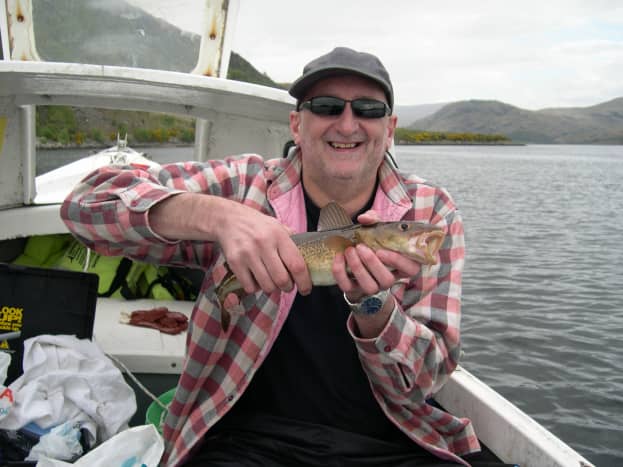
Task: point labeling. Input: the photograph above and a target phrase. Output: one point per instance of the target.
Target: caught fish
(336, 232)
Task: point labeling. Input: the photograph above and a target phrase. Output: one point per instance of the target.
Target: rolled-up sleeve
(420, 345)
(109, 209)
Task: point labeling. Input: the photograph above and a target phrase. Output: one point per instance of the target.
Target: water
(543, 313)
(542, 298)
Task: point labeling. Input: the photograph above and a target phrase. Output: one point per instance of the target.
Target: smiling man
(334, 375)
(341, 153)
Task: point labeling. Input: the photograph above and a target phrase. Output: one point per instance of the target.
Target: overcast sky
(529, 53)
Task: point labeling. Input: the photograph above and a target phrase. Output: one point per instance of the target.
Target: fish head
(417, 240)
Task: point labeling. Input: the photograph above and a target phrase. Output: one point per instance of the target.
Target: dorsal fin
(333, 216)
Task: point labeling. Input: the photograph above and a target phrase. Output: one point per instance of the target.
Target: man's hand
(370, 271)
(258, 249)
(360, 271)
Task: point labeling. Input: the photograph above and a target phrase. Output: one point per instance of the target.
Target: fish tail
(225, 319)
(228, 286)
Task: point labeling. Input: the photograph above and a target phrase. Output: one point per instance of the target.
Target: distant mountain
(113, 32)
(598, 124)
(407, 114)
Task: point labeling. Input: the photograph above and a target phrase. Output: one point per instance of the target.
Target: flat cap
(343, 61)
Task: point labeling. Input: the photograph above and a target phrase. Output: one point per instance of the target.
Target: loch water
(543, 279)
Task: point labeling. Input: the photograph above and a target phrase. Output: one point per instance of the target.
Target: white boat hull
(54, 186)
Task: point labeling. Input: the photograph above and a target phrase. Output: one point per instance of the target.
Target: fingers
(260, 252)
(369, 217)
(362, 270)
(341, 275)
(269, 266)
(296, 268)
(262, 272)
(401, 265)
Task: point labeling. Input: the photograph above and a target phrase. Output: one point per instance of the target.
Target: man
(305, 376)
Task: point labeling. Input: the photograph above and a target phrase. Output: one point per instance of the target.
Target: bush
(168, 120)
(188, 135)
(96, 135)
(79, 138)
(47, 133)
(63, 136)
(142, 135)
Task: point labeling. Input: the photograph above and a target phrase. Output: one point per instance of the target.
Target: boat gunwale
(126, 88)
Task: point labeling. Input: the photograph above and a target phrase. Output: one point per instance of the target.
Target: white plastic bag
(6, 394)
(62, 442)
(67, 379)
(5, 361)
(134, 447)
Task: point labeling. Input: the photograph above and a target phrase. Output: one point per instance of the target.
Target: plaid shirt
(406, 364)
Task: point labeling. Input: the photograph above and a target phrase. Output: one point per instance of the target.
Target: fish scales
(319, 256)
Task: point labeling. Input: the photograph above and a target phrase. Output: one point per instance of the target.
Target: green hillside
(60, 126)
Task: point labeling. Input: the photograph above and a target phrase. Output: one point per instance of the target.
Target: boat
(53, 187)
(231, 117)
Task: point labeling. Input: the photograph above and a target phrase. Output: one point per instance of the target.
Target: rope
(87, 260)
(138, 383)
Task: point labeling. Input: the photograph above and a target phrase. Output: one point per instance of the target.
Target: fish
(419, 241)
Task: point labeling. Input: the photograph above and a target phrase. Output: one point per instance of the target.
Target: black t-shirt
(313, 373)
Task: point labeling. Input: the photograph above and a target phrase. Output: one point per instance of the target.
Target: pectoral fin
(337, 244)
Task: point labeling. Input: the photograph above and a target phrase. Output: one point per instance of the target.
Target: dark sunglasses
(362, 107)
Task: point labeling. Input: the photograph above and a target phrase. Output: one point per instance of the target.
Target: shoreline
(94, 146)
(462, 143)
(98, 146)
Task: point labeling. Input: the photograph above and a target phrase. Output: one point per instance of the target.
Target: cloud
(532, 54)
(528, 53)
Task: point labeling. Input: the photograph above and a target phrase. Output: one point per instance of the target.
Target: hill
(598, 124)
(407, 114)
(101, 32)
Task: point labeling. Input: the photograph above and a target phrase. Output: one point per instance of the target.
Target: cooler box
(36, 301)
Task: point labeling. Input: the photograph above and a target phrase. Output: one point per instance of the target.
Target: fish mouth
(425, 246)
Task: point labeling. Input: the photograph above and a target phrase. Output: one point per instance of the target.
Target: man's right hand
(257, 247)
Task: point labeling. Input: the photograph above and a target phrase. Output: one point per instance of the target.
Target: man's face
(342, 148)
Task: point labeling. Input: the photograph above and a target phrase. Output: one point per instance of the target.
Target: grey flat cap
(343, 61)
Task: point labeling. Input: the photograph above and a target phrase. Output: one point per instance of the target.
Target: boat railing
(240, 117)
(230, 116)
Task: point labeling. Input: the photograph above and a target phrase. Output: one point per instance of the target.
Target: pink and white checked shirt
(406, 364)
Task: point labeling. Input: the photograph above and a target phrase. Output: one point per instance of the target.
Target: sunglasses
(362, 107)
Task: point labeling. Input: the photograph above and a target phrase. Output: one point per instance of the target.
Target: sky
(532, 54)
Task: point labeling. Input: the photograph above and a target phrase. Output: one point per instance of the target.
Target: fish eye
(404, 227)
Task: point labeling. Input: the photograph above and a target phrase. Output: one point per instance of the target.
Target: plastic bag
(134, 447)
(70, 379)
(62, 442)
(6, 394)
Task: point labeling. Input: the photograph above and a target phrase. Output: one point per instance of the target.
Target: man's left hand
(360, 271)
